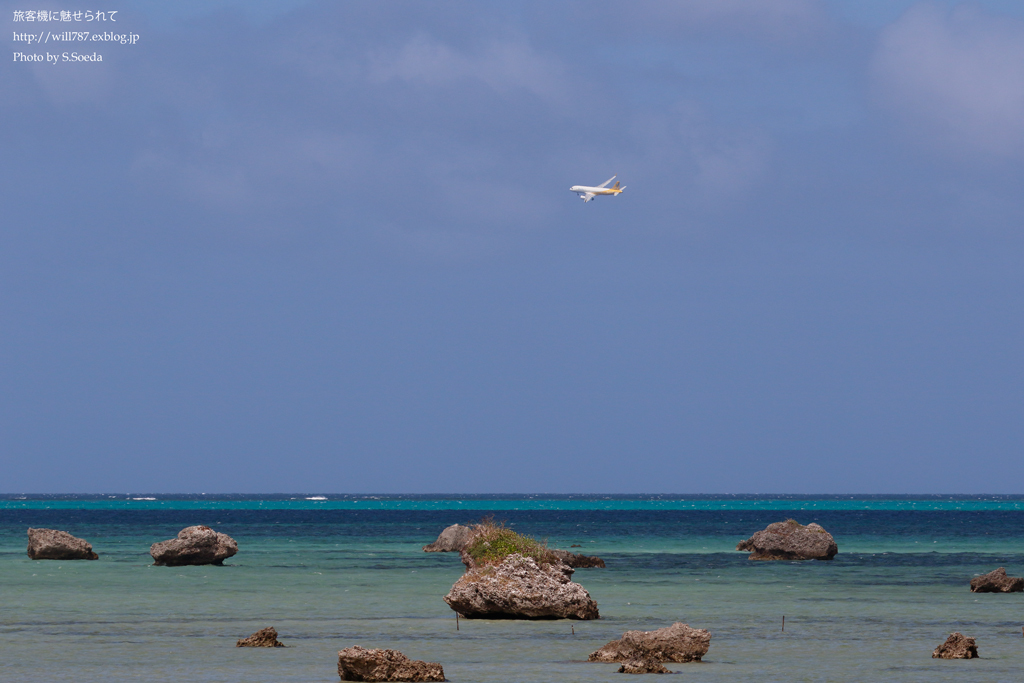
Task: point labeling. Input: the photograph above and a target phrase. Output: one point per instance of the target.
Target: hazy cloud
(773, 20)
(507, 67)
(957, 76)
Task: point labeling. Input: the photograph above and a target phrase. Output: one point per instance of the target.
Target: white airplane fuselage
(587, 193)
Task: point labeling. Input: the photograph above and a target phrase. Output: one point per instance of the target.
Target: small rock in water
(957, 646)
(577, 561)
(194, 545)
(997, 582)
(363, 664)
(51, 544)
(643, 666)
(790, 540)
(452, 540)
(265, 637)
(675, 643)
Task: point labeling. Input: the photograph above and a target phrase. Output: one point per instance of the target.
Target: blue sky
(309, 246)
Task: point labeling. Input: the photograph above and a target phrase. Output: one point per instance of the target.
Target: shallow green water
(328, 580)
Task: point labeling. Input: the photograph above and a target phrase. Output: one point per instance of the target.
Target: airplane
(588, 193)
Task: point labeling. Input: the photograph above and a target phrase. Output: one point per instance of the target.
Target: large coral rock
(643, 666)
(519, 588)
(362, 664)
(790, 540)
(50, 544)
(675, 643)
(452, 540)
(997, 582)
(265, 637)
(957, 646)
(194, 545)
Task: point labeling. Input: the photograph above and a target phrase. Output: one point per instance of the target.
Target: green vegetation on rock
(494, 542)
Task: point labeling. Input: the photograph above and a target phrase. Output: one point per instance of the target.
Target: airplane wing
(587, 196)
(605, 183)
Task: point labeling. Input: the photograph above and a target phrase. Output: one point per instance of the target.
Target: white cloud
(956, 76)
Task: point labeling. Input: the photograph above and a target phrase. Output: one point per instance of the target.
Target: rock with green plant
(492, 541)
(790, 540)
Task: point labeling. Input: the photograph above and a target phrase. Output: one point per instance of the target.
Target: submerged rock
(790, 540)
(362, 664)
(997, 582)
(578, 561)
(265, 637)
(51, 544)
(675, 643)
(194, 545)
(519, 588)
(957, 646)
(643, 666)
(452, 540)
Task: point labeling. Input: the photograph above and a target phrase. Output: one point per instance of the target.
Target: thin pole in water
(783, 623)
(573, 627)
(456, 621)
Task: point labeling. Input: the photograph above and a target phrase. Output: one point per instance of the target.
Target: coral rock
(194, 545)
(452, 540)
(519, 588)
(362, 664)
(997, 582)
(265, 637)
(578, 561)
(50, 544)
(790, 540)
(675, 643)
(957, 646)
(643, 666)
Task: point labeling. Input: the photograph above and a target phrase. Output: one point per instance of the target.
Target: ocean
(330, 571)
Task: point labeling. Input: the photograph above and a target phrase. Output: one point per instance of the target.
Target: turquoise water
(330, 577)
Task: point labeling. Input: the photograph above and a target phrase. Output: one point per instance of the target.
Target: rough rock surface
(519, 588)
(558, 556)
(675, 643)
(790, 540)
(643, 666)
(50, 544)
(578, 561)
(452, 540)
(362, 664)
(265, 637)
(957, 646)
(997, 582)
(194, 545)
